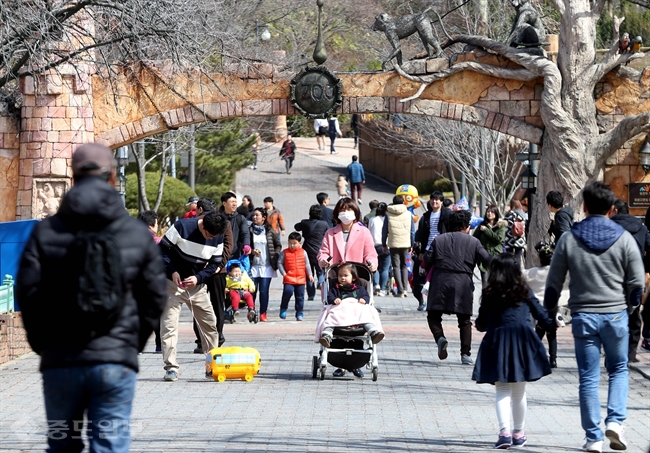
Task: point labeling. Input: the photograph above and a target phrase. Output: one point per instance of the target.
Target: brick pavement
(418, 403)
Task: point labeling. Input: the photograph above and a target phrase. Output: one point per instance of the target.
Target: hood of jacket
(629, 222)
(502, 223)
(565, 210)
(91, 204)
(597, 233)
(396, 209)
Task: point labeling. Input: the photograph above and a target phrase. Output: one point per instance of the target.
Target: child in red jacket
(294, 266)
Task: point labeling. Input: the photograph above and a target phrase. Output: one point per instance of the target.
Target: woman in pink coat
(349, 240)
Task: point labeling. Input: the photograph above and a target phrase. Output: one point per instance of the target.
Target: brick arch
(64, 109)
(150, 106)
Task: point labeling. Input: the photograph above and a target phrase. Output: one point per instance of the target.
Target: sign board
(639, 195)
(316, 92)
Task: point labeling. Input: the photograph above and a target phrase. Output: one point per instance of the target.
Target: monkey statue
(401, 27)
(528, 29)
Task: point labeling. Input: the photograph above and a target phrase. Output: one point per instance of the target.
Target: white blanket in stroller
(348, 313)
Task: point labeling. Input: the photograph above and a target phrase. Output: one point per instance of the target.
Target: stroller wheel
(314, 367)
(322, 373)
(374, 374)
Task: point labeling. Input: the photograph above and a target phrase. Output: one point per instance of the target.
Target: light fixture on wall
(644, 156)
(528, 179)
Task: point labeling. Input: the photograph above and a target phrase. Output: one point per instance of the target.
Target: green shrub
(434, 184)
(175, 195)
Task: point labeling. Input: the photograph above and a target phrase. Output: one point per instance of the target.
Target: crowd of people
(219, 256)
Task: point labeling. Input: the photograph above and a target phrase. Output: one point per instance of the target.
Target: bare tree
(484, 157)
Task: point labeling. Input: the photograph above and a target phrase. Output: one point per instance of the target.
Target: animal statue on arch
(396, 28)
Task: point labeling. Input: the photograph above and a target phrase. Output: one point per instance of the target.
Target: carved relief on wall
(48, 194)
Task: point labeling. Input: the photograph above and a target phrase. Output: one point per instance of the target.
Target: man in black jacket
(438, 217)
(642, 237)
(96, 375)
(313, 230)
(563, 219)
(240, 234)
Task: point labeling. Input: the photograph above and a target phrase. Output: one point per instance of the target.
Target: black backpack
(97, 288)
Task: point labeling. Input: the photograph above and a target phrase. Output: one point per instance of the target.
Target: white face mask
(347, 217)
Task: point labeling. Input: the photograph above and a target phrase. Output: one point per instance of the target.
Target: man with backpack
(91, 288)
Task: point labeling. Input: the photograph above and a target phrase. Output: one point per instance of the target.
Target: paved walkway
(418, 404)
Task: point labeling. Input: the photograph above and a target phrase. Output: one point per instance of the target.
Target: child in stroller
(347, 290)
(240, 286)
(351, 327)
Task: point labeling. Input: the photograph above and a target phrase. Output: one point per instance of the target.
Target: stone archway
(63, 110)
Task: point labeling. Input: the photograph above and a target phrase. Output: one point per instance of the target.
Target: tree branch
(615, 60)
(606, 144)
(597, 9)
(559, 4)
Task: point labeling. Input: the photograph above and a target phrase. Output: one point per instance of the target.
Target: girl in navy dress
(511, 353)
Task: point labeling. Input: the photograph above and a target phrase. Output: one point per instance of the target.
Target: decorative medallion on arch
(316, 92)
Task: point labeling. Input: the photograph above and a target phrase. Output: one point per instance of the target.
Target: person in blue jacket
(356, 177)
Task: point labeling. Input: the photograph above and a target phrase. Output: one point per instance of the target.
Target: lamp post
(265, 35)
(529, 177)
(644, 156)
(120, 181)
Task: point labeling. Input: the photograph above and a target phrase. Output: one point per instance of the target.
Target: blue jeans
(590, 331)
(104, 392)
(383, 268)
(289, 291)
(262, 285)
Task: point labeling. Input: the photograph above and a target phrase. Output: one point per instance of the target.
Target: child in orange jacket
(294, 266)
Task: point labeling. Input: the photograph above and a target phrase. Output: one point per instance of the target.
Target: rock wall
(9, 163)
(13, 338)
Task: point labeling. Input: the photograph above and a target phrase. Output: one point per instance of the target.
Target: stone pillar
(56, 117)
(9, 163)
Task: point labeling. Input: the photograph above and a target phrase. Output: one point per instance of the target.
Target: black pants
(217, 289)
(552, 341)
(434, 318)
(317, 272)
(634, 325)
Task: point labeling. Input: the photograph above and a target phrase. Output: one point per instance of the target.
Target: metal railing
(7, 295)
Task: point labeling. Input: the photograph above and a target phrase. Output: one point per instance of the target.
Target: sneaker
(300, 318)
(359, 201)
(263, 317)
(405, 294)
(519, 439)
(553, 361)
(421, 307)
(376, 336)
(236, 313)
(442, 348)
(645, 345)
(381, 293)
(198, 350)
(208, 374)
(325, 340)
(338, 372)
(171, 375)
(158, 350)
(283, 314)
(595, 446)
(222, 340)
(466, 360)
(251, 315)
(504, 442)
(358, 372)
(615, 433)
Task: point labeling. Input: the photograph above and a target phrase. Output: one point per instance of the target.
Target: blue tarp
(13, 237)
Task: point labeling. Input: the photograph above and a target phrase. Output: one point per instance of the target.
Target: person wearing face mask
(349, 240)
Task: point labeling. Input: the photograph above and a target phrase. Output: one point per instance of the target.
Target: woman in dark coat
(511, 353)
(454, 256)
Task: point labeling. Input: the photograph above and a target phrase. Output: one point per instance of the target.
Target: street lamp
(120, 181)
(265, 35)
(644, 156)
(528, 180)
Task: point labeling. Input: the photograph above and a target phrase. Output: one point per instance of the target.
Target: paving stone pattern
(418, 404)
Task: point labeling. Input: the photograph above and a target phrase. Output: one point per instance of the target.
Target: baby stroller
(350, 347)
(229, 314)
